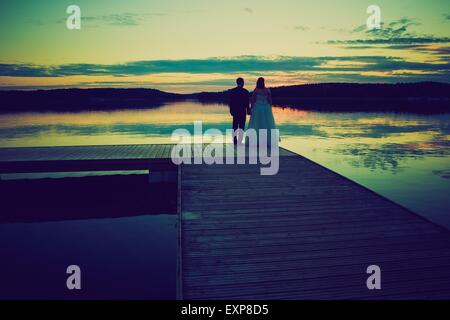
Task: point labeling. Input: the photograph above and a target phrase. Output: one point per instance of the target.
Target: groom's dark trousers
(239, 106)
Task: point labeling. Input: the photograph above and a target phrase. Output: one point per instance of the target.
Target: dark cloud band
(246, 64)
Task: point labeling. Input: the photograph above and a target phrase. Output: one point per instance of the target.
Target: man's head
(240, 82)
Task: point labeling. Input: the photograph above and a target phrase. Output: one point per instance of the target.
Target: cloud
(246, 64)
(248, 10)
(120, 19)
(301, 28)
(444, 174)
(337, 30)
(409, 40)
(114, 19)
(438, 50)
(23, 70)
(356, 47)
(395, 32)
(360, 77)
(394, 29)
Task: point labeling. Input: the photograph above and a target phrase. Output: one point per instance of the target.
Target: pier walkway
(304, 233)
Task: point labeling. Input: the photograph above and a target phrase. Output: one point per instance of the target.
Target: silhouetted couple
(259, 107)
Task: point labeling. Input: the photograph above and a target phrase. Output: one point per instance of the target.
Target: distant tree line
(415, 97)
(83, 99)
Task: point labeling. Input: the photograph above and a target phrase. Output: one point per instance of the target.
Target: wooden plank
(304, 233)
(179, 240)
(159, 150)
(83, 158)
(167, 151)
(78, 152)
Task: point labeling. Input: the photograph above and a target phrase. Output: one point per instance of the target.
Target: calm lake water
(405, 157)
(123, 258)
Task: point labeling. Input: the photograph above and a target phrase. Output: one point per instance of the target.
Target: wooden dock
(305, 233)
(85, 158)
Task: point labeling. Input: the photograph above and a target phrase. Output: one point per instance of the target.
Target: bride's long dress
(261, 113)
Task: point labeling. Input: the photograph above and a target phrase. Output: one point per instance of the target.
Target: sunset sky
(203, 45)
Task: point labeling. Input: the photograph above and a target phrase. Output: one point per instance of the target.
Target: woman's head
(260, 83)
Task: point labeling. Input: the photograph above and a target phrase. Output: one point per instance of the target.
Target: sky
(203, 45)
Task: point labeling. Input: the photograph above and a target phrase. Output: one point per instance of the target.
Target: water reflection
(371, 158)
(445, 174)
(124, 258)
(389, 156)
(97, 196)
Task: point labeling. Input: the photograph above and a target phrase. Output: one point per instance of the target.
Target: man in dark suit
(239, 107)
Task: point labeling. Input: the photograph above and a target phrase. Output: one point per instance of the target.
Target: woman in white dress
(261, 110)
